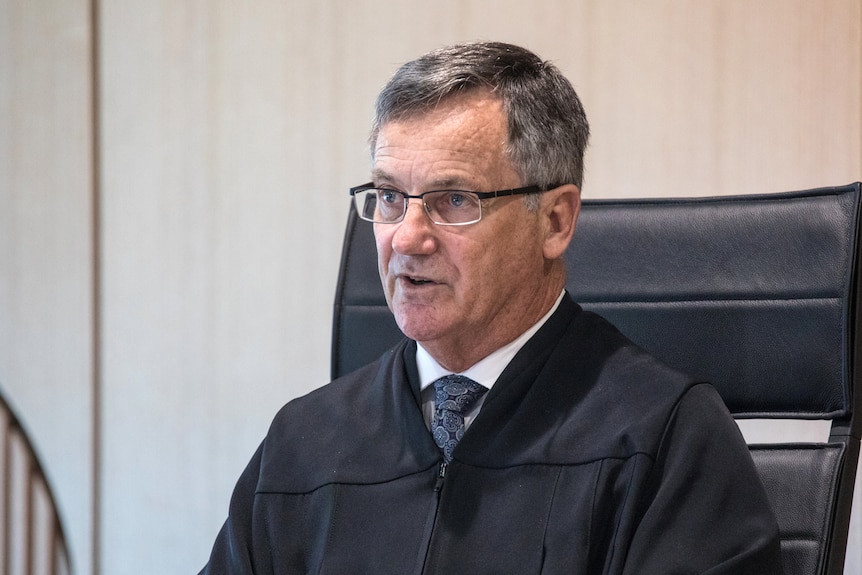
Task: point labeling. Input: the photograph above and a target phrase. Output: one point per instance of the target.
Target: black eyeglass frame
(480, 195)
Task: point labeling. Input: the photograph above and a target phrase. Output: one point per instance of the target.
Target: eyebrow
(377, 174)
(450, 183)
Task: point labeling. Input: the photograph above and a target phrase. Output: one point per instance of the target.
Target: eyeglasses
(444, 207)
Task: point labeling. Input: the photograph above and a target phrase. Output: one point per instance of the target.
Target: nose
(415, 234)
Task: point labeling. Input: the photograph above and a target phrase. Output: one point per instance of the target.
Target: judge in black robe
(588, 456)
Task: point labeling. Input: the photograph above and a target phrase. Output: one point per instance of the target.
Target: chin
(420, 328)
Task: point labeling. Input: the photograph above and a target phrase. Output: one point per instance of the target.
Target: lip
(416, 280)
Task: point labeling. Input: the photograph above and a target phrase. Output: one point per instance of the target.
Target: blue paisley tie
(454, 396)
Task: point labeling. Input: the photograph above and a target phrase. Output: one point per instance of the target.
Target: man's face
(461, 291)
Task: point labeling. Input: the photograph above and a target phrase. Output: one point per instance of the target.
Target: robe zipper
(431, 521)
(441, 476)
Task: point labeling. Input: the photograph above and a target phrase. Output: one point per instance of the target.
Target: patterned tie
(454, 396)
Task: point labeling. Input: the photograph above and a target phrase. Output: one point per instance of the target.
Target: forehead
(464, 138)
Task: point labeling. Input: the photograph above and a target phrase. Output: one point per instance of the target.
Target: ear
(560, 209)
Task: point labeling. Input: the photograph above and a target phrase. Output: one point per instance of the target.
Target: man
(510, 432)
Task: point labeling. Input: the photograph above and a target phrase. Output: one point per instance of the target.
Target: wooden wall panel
(218, 271)
(46, 262)
(230, 134)
(704, 98)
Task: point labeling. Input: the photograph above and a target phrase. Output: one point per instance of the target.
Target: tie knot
(454, 395)
(457, 393)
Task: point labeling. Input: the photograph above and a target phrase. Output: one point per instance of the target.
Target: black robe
(588, 456)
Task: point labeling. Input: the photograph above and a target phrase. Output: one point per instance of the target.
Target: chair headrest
(757, 294)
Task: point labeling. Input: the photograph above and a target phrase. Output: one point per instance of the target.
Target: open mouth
(419, 282)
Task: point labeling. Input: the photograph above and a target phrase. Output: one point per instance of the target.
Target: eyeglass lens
(443, 207)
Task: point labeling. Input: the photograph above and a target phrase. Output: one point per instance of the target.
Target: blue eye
(453, 207)
(456, 200)
(390, 196)
(390, 205)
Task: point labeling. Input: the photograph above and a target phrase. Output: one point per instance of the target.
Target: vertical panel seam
(96, 278)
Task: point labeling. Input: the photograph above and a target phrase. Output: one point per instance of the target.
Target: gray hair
(547, 127)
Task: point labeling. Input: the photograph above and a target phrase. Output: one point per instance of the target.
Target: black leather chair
(758, 294)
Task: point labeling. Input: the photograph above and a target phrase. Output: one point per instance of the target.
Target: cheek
(384, 252)
(482, 270)
(383, 242)
(506, 266)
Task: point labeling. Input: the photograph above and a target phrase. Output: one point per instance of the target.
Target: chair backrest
(31, 535)
(757, 294)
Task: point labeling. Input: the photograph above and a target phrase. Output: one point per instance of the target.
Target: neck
(461, 353)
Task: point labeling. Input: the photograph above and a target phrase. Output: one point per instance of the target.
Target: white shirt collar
(486, 371)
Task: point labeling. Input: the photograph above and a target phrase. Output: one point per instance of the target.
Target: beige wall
(46, 229)
(229, 134)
